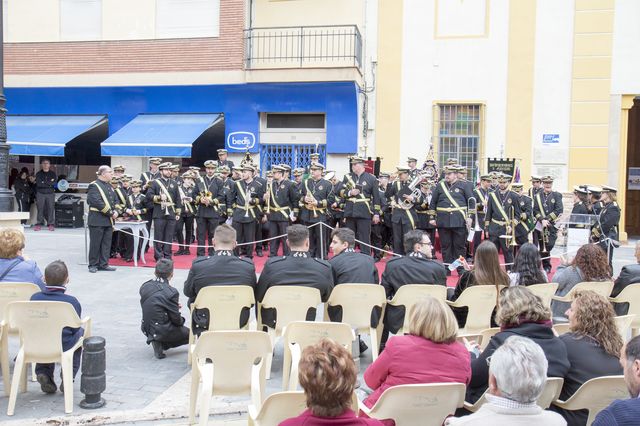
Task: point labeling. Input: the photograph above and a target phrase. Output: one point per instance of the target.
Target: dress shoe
(37, 227)
(259, 253)
(178, 253)
(158, 352)
(128, 260)
(107, 268)
(93, 269)
(52, 228)
(186, 252)
(46, 383)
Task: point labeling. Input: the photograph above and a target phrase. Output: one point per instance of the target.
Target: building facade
(549, 83)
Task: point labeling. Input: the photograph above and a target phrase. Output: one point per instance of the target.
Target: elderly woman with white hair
(517, 376)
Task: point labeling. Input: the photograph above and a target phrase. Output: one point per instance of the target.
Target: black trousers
(178, 336)
(278, 228)
(258, 233)
(23, 206)
(245, 233)
(46, 208)
(452, 243)
(99, 245)
(317, 240)
(362, 229)
(206, 227)
(48, 368)
(502, 244)
(399, 229)
(546, 247)
(163, 231)
(186, 223)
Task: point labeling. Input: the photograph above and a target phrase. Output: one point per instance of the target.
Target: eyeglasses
(428, 243)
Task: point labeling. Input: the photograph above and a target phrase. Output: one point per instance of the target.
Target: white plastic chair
(544, 291)
(40, 325)
(291, 304)
(357, 302)
(481, 301)
(276, 408)
(550, 393)
(12, 292)
(603, 288)
(561, 328)
(631, 295)
(595, 395)
(225, 303)
(236, 367)
(300, 334)
(410, 294)
(422, 404)
(623, 322)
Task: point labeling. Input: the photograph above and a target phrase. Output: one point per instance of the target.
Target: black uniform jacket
(236, 204)
(296, 269)
(502, 210)
(223, 268)
(482, 200)
(415, 268)
(526, 215)
(365, 204)
(155, 192)
(214, 189)
(446, 213)
(354, 268)
(160, 310)
(100, 209)
(608, 226)
(322, 191)
(283, 199)
(395, 194)
(139, 203)
(547, 206)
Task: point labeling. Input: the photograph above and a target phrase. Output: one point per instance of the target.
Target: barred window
(293, 155)
(459, 132)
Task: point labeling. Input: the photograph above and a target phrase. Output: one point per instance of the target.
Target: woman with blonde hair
(486, 271)
(13, 266)
(428, 354)
(328, 375)
(520, 313)
(593, 347)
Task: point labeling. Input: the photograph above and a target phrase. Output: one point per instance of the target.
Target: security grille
(459, 136)
(293, 155)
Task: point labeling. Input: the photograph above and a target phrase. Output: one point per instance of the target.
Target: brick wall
(200, 54)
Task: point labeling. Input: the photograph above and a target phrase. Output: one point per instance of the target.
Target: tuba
(415, 191)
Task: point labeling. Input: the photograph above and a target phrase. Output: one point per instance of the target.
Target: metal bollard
(93, 381)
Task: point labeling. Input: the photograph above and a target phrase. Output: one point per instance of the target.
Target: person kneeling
(161, 320)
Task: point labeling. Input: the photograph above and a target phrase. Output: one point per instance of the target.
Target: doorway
(632, 208)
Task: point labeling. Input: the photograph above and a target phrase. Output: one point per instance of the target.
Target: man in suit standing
(102, 212)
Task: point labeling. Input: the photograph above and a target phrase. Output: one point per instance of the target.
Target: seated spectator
(56, 277)
(517, 376)
(590, 264)
(527, 267)
(593, 347)
(161, 320)
(13, 266)
(428, 354)
(349, 266)
(417, 267)
(223, 268)
(296, 268)
(520, 313)
(328, 376)
(486, 271)
(630, 274)
(625, 412)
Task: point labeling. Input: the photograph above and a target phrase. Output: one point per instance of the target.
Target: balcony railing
(330, 46)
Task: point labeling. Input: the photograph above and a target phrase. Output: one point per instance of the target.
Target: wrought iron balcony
(332, 46)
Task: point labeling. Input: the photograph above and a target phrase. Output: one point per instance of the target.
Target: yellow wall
(389, 78)
(282, 13)
(522, 30)
(590, 91)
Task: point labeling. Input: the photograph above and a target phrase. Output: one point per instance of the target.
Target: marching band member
(314, 201)
(503, 213)
(163, 193)
(222, 159)
(403, 204)
(525, 222)
(605, 231)
(381, 233)
(210, 200)
(242, 202)
(412, 163)
(547, 208)
(595, 205)
(136, 210)
(188, 193)
(146, 179)
(281, 208)
(481, 194)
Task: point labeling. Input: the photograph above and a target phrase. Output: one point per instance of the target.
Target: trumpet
(545, 239)
(246, 203)
(510, 235)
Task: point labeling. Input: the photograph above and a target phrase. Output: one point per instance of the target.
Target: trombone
(510, 235)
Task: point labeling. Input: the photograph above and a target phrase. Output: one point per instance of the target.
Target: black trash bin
(69, 212)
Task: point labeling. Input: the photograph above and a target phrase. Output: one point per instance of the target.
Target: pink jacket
(411, 359)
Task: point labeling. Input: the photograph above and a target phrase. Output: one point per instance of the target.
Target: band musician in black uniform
(503, 213)
(135, 210)
(222, 159)
(481, 194)
(102, 212)
(220, 268)
(423, 213)
(579, 201)
(403, 202)
(188, 193)
(163, 193)
(210, 200)
(315, 198)
(242, 201)
(349, 266)
(362, 202)
(605, 231)
(146, 178)
(281, 207)
(595, 204)
(525, 221)
(381, 232)
(448, 211)
(297, 268)
(547, 208)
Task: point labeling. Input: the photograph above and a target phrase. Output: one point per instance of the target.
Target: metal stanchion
(86, 241)
(322, 232)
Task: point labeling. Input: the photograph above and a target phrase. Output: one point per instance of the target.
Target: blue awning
(47, 134)
(159, 135)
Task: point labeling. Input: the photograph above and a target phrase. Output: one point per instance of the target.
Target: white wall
(552, 87)
(625, 72)
(451, 69)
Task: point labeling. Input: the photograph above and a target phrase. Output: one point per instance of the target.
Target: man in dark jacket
(45, 197)
(102, 212)
(56, 276)
(161, 320)
(222, 268)
(630, 274)
(415, 268)
(349, 266)
(163, 194)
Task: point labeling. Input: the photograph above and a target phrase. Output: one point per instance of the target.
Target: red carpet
(184, 262)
